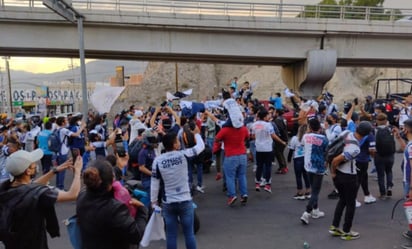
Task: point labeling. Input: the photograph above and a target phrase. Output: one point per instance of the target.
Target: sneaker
(369, 199)
(267, 188)
(200, 189)
(231, 201)
(263, 183)
(218, 176)
(316, 214)
(243, 200)
(308, 195)
(383, 197)
(407, 234)
(335, 231)
(350, 236)
(257, 187)
(305, 218)
(299, 197)
(389, 192)
(333, 195)
(358, 204)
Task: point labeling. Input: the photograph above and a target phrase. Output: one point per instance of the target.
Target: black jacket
(32, 213)
(106, 223)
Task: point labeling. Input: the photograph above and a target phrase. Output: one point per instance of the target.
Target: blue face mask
(129, 116)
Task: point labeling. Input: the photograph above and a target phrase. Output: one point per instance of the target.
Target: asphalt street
(271, 221)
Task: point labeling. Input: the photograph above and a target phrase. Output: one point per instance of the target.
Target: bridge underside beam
(165, 43)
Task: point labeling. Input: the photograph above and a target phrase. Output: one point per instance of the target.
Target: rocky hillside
(207, 79)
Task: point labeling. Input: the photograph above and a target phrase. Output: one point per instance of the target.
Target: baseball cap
(364, 128)
(20, 160)
(368, 97)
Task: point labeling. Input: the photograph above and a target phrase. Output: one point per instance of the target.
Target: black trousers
(347, 185)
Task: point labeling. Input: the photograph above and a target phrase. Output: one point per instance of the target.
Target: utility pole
(66, 10)
(177, 77)
(6, 59)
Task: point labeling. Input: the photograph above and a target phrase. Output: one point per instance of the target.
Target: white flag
(103, 97)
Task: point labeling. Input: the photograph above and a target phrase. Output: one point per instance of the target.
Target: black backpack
(385, 142)
(27, 196)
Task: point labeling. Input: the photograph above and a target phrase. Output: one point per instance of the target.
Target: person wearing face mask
(332, 127)
(33, 202)
(64, 135)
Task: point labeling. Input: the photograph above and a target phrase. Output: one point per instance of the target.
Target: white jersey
(235, 114)
(172, 168)
(263, 135)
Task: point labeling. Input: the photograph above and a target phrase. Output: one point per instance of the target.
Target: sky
(50, 65)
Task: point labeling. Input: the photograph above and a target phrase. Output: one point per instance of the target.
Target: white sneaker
(316, 214)
(263, 183)
(305, 218)
(358, 204)
(369, 199)
(200, 189)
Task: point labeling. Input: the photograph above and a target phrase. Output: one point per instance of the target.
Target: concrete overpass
(308, 48)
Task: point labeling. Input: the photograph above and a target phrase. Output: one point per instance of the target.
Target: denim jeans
(60, 176)
(210, 141)
(146, 185)
(199, 172)
(300, 172)
(235, 168)
(174, 213)
(316, 183)
(384, 167)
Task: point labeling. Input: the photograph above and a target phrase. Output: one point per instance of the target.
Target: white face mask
(79, 123)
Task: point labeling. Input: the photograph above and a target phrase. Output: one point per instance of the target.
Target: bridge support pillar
(309, 76)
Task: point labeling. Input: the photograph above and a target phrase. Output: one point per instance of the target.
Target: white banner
(103, 97)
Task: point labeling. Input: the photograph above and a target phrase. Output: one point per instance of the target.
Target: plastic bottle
(408, 211)
(306, 245)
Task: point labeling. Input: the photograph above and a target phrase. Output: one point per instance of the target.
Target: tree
(348, 9)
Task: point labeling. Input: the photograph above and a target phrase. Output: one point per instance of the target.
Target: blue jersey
(315, 148)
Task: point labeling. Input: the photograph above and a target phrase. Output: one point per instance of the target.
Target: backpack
(54, 142)
(29, 194)
(335, 148)
(385, 142)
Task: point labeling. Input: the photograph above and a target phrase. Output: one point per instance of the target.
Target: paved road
(272, 220)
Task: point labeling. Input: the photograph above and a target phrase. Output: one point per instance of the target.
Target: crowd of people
(165, 146)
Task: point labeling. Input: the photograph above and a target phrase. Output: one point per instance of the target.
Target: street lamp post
(67, 11)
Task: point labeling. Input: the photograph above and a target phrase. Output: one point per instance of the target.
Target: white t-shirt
(263, 135)
(64, 137)
(297, 147)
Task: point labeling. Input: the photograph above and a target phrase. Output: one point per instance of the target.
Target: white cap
(20, 160)
(138, 113)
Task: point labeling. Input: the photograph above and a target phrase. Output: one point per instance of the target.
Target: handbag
(73, 229)
(155, 228)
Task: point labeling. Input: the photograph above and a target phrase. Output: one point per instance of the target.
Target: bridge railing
(232, 8)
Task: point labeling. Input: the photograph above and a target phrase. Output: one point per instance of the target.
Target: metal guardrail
(226, 8)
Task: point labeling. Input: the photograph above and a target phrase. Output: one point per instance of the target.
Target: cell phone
(75, 154)
(355, 101)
